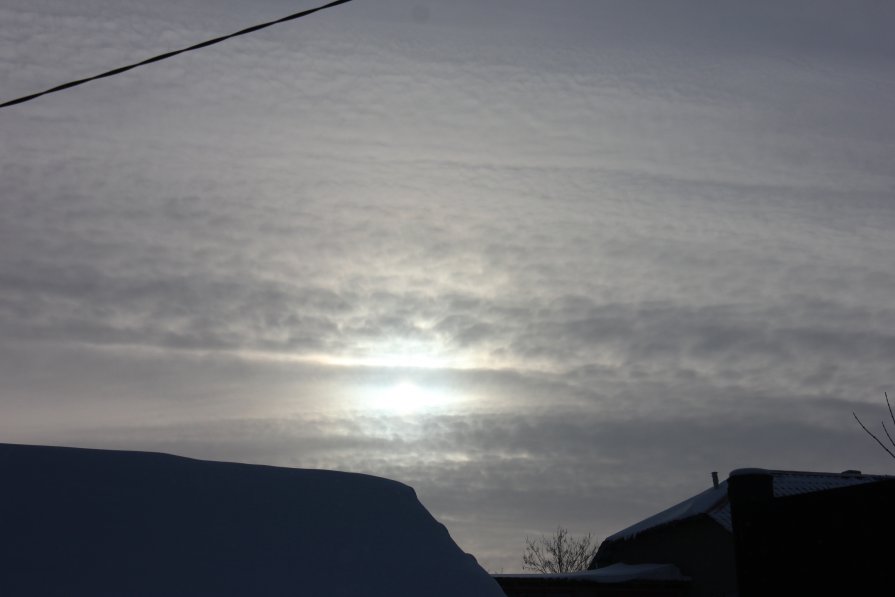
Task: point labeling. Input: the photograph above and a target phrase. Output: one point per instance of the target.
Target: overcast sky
(546, 262)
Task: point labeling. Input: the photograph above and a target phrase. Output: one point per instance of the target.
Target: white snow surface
(616, 573)
(104, 523)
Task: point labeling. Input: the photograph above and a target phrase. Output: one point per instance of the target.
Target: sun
(408, 398)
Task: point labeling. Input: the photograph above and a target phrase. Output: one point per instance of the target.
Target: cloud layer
(627, 246)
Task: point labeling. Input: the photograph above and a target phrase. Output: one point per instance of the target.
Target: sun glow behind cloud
(398, 383)
(407, 398)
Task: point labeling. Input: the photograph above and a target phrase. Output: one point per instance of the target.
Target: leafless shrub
(559, 553)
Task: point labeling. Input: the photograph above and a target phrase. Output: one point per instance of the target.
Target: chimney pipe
(715, 479)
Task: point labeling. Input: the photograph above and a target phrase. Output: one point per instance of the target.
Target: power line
(167, 55)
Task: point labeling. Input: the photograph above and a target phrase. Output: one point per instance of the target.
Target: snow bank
(98, 522)
(615, 573)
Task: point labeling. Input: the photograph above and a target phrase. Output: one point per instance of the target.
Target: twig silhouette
(870, 433)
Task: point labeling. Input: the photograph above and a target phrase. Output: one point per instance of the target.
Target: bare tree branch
(870, 433)
(886, 429)
(886, 394)
(559, 553)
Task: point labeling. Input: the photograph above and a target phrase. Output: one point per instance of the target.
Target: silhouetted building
(829, 542)
(759, 533)
(697, 535)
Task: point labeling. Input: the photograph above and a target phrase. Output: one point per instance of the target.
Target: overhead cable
(167, 55)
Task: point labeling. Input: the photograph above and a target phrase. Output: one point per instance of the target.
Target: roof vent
(850, 472)
(715, 479)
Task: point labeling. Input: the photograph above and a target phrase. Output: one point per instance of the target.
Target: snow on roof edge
(691, 507)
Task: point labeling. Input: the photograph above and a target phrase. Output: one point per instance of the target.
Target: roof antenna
(715, 479)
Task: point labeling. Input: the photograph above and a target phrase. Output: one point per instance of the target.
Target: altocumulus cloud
(633, 244)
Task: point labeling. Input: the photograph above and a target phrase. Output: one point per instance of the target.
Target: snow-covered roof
(616, 573)
(109, 523)
(713, 502)
(703, 503)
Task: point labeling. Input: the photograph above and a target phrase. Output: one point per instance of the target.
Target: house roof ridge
(713, 502)
(778, 472)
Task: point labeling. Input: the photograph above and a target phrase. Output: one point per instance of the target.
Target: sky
(547, 263)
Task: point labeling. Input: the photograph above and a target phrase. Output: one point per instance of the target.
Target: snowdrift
(100, 522)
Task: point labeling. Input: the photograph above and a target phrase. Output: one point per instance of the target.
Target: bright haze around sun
(547, 263)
